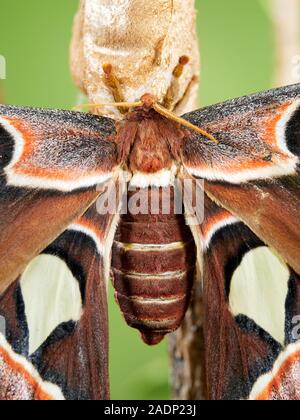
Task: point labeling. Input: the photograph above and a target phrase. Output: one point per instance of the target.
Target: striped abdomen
(153, 265)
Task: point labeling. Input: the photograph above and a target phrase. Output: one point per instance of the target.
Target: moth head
(147, 103)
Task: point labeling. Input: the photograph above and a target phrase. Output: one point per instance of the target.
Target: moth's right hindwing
(251, 299)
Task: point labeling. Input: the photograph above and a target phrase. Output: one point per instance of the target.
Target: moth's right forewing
(253, 171)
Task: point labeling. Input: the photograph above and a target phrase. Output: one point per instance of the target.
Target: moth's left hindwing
(53, 306)
(254, 169)
(20, 381)
(50, 164)
(56, 313)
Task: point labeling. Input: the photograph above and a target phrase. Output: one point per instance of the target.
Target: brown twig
(286, 20)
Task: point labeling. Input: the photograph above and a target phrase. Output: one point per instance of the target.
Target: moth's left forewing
(254, 169)
(51, 163)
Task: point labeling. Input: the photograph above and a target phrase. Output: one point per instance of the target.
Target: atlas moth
(56, 164)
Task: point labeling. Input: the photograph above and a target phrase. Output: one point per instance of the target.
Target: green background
(237, 58)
